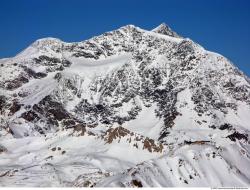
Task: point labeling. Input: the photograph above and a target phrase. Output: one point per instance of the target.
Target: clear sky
(222, 26)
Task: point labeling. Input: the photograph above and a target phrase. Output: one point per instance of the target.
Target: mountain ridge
(120, 99)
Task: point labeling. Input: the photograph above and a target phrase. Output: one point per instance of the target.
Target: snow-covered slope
(127, 108)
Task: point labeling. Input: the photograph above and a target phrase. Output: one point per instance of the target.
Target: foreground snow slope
(128, 108)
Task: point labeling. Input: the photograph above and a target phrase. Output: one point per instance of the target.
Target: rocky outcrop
(119, 133)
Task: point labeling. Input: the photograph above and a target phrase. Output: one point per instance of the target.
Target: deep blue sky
(218, 25)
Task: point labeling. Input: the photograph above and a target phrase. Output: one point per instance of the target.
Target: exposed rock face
(146, 102)
(120, 133)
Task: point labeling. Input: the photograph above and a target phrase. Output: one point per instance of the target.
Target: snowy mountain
(128, 108)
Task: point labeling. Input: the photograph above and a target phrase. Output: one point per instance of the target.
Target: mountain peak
(162, 25)
(164, 29)
(130, 27)
(140, 102)
(48, 40)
